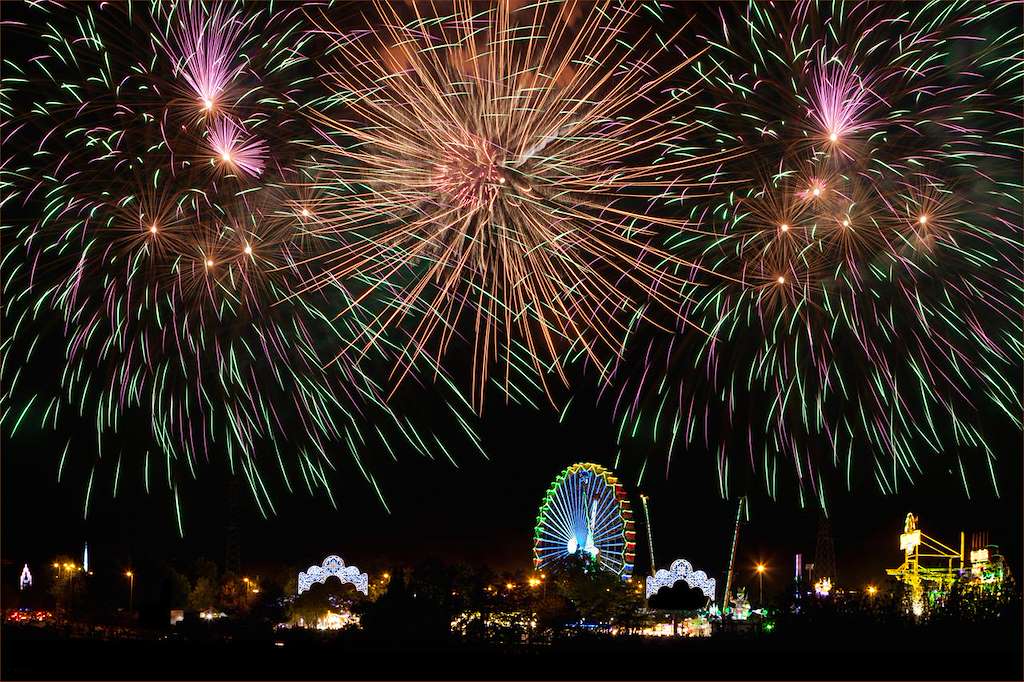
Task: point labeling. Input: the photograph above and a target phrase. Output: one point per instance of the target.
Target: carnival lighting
(333, 565)
(586, 511)
(681, 569)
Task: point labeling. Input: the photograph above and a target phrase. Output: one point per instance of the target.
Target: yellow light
(56, 565)
(128, 574)
(509, 586)
(387, 576)
(760, 568)
(534, 582)
(872, 590)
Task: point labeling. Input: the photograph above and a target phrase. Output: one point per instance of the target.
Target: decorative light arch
(681, 569)
(333, 565)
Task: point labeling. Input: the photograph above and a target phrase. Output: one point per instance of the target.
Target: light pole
(131, 590)
(760, 584)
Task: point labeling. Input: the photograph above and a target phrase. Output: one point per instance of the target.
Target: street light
(872, 590)
(131, 590)
(760, 568)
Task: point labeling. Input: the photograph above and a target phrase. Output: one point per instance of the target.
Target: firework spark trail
(876, 241)
(171, 286)
(496, 165)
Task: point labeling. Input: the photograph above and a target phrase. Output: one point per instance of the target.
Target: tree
(204, 595)
(597, 596)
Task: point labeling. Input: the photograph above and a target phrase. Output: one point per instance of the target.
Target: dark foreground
(982, 653)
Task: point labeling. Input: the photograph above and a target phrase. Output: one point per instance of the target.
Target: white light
(846, 223)
(333, 565)
(833, 137)
(248, 250)
(573, 545)
(207, 103)
(816, 191)
(923, 220)
(26, 578)
(781, 280)
(225, 156)
(681, 569)
(305, 213)
(909, 541)
(209, 263)
(784, 227)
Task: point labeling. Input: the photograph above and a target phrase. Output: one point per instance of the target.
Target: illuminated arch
(681, 570)
(333, 565)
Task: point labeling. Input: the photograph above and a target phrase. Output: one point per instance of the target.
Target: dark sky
(484, 510)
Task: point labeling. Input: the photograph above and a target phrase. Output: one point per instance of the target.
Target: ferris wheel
(586, 511)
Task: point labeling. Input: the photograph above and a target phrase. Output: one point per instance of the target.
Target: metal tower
(650, 534)
(732, 555)
(824, 552)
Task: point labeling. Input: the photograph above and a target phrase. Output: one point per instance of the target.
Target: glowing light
(908, 541)
(128, 574)
(979, 555)
(760, 568)
(305, 213)
(26, 578)
(784, 227)
(681, 569)
(846, 222)
(823, 587)
(534, 582)
(816, 191)
(226, 156)
(207, 103)
(872, 590)
(509, 586)
(209, 262)
(248, 250)
(781, 280)
(586, 509)
(333, 565)
(923, 220)
(833, 137)
(152, 228)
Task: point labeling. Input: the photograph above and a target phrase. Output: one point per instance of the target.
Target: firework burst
(870, 289)
(494, 179)
(165, 289)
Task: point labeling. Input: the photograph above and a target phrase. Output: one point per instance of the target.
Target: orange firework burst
(507, 178)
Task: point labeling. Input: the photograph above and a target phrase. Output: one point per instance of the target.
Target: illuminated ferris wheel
(586, 511)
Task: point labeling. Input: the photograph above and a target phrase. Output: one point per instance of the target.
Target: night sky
(482, 511)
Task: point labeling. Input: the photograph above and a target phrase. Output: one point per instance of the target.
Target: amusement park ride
(917, 574)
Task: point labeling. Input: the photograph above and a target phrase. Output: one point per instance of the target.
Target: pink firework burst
(840, 101)
(233, 149)
(203, 47)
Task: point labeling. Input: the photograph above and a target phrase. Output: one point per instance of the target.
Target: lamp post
(131, 590)
(760, 568)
